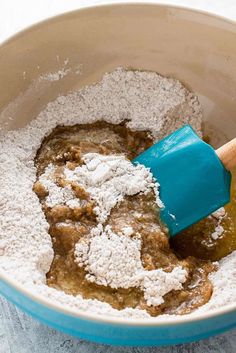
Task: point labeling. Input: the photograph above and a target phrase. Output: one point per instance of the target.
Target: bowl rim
(149, 3)
(160, 321)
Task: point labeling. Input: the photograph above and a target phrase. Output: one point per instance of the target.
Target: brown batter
(64, 147)
(197, 240)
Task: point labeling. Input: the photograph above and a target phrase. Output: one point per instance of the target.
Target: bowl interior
(79, 47)
(196, 48)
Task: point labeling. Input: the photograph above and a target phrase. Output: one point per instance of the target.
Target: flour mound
(108, 178)
(157, 283)
(115, 260)
(224, 284)
(110, 259)
(57, 195)
(147, 101)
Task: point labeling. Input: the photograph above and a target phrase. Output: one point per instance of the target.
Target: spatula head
(193, 181)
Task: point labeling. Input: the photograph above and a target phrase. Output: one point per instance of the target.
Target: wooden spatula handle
(227, 154)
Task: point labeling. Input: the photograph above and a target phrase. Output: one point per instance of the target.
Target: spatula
(194, 178)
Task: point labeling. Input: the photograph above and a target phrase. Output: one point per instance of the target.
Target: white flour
(146, 100)
(115, 260)
(219, 230)
(55, 76)
(110, 259)
(106, 178)
(56, 194)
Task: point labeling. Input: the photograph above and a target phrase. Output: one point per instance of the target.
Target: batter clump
(108, 241)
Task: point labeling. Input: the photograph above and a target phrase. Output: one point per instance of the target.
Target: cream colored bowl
(197, 48)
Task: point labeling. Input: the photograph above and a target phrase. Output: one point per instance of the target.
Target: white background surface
(18, 332)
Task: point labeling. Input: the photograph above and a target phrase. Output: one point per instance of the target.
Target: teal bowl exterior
(123, 334)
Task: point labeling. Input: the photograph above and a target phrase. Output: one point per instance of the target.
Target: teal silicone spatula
(194, 178)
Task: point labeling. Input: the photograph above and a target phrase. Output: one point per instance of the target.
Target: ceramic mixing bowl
(197, 48)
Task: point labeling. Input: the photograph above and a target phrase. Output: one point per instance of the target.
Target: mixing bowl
(77, 48)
